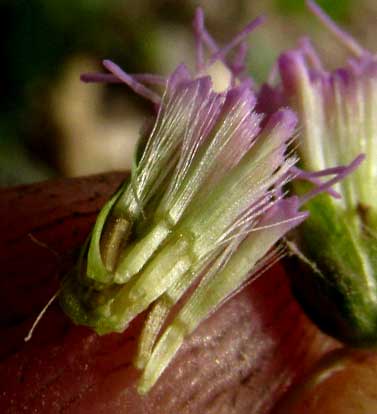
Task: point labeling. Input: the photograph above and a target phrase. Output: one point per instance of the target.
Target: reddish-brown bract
(238, 361)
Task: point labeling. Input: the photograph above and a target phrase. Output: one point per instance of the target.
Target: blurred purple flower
(338, 126)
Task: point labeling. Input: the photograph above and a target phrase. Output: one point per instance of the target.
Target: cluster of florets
(207, 201)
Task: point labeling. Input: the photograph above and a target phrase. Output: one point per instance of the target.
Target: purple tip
(341, 35)
(342, 172)
(292, 67)
(129, 80)
(285, 213)
(239, 38)
(285, 119)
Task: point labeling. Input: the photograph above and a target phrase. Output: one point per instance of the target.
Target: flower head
(200, 213)
(338, 122)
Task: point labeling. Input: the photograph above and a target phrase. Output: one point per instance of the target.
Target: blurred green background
(51, 124)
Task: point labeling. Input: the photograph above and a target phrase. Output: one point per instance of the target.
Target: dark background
(51, 124)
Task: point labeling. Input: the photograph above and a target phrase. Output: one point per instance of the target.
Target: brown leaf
(240, 360)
